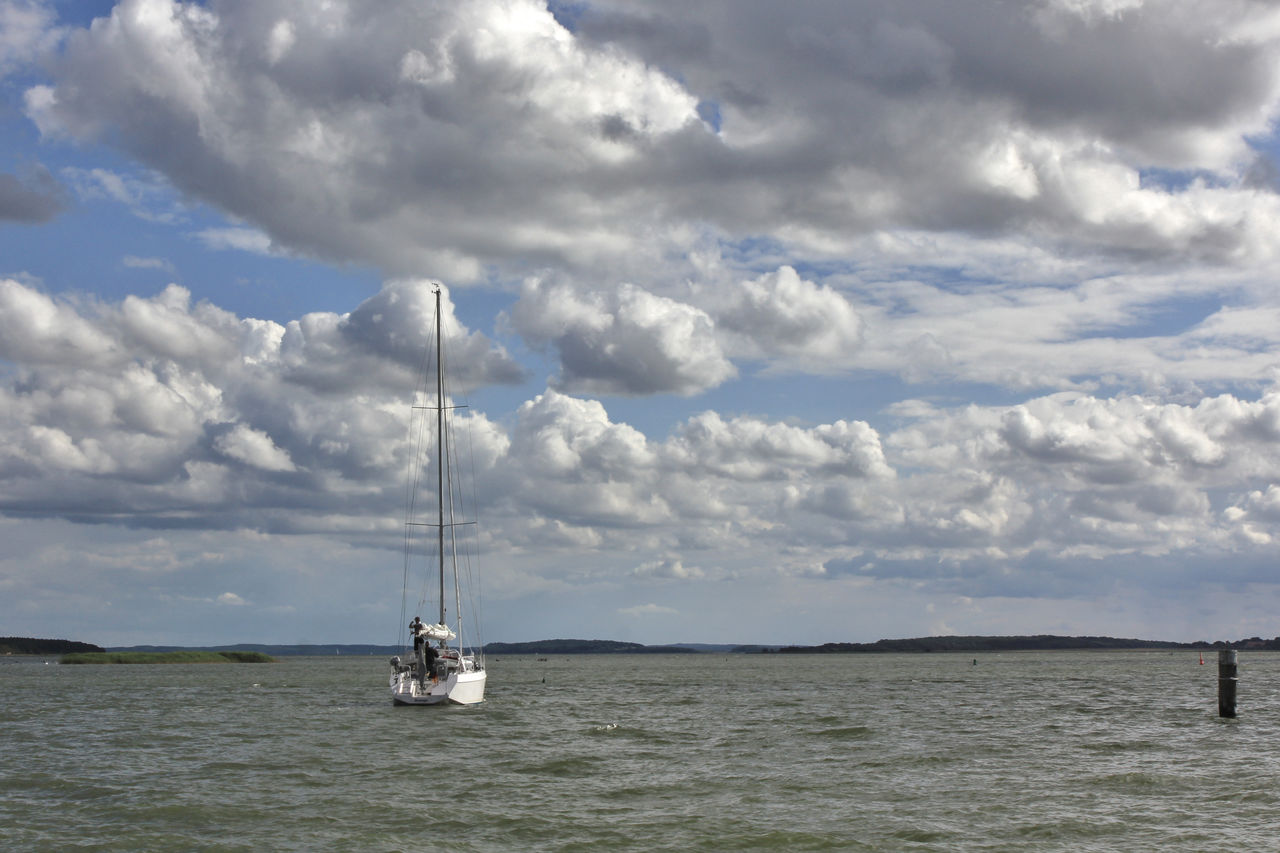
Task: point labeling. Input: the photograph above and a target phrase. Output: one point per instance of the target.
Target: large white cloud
(222, 421)
(1051, 118)
(789, 320)
(440, 138)
(417, 137)
(969, 179)
(1058, 206)
(629, 341)
(149, 406)
(215, 422)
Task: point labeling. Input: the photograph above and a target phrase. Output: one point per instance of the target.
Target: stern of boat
(461, 686)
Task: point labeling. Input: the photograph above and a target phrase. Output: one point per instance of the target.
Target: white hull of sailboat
(460, 688)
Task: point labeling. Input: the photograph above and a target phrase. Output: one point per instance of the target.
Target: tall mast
(440, 447)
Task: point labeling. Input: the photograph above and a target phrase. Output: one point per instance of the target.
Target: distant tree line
(580, 647)
(1037, 642)
(32, 646)
(165, 657)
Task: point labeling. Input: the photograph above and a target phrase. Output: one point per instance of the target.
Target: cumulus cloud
(381, 343)
(751, 449)
(253, 447)
(340, 134)
(39, 329)
(706, 488)
(392, 323)
(671, 568)
(167, 412)
(159, 400)
(1072, 474)
(648, 610)
(27, 31)
(793, 320)
(1063, 214)
(890, 114)
(627, 341)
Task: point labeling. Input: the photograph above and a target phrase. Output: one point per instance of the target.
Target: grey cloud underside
(206, 424)
(887, 108)
(999, 194)
(37, 199)
(439, 139)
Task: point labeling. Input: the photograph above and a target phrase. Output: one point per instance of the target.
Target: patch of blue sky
(21, 137)
(1178, 180)
(709, 112)
(115, 253)
(81, 13)
(1268, 144)
(567, 14)
(1160, 319)
(126, 231)
(756, 253)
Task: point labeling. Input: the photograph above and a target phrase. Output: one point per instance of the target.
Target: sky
(778, 323)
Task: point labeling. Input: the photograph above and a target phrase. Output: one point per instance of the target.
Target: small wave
(1139, 782)
(846, 733)
(1110, 747)
(571, 767)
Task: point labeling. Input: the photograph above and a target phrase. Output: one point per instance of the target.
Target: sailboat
(439, 671)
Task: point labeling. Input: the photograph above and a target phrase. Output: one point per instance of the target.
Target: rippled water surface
(1059, 751)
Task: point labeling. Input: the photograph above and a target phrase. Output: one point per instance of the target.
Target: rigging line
(441, 439)
(458, 497)
(458, 502)
(473, 572)
(450, 450)
(418, 433)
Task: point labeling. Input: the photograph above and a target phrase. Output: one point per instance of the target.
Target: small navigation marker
(1227, 678)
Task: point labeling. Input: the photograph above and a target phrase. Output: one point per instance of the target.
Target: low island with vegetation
(166, 657)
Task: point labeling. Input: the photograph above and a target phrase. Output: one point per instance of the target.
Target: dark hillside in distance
(1038, 642)
(307, 650)
(581, 647)
(92, 658)
(32, 646)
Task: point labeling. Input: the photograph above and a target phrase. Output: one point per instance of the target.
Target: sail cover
(438, 631)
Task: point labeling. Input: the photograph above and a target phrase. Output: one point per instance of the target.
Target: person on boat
(420, 646)
(431, 662)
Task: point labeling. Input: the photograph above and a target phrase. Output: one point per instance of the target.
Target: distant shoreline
(131, 658)
(1036, 642)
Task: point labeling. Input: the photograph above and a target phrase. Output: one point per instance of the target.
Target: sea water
(1062, 751)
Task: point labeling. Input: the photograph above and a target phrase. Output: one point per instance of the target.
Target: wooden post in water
(1227, 679)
